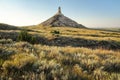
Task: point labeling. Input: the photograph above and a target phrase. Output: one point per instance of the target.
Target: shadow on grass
(66, 41)
(80, 42)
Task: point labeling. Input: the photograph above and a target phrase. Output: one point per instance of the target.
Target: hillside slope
(8, 27)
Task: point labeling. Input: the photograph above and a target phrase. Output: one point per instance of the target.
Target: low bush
(55, 32)
(1, 62)
(24, 36)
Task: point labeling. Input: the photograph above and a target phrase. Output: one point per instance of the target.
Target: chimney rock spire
(59, 10)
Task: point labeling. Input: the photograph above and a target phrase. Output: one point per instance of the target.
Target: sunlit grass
(77, 33)
(25, 61)
(65, 63)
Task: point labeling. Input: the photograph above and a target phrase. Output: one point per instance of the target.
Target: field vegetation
(89, 34)
(22, 60)
(59, 53)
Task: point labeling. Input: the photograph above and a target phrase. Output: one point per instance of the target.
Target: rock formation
(59, 20)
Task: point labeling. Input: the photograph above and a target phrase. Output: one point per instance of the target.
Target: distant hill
(109, 29)
(112, 29)
(8, 27)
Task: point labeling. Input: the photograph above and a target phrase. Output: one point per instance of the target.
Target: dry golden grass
(25, 61)
(77, 33)
(52, 62)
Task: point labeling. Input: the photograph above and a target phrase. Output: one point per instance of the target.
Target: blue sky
(91, 13)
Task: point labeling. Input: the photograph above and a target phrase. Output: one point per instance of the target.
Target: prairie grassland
(22, 60)
(59, 55)
(77, 33)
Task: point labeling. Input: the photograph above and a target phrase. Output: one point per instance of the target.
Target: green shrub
(1, 62)
(33, 40)
(24, 36)
(55, 32)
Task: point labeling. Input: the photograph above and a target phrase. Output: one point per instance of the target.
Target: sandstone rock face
(59, 20)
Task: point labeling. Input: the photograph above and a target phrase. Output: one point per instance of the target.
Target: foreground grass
(23, 61)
